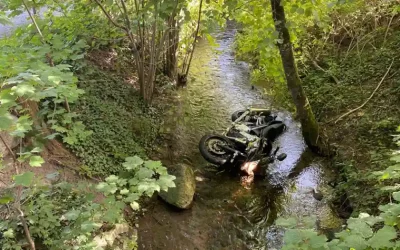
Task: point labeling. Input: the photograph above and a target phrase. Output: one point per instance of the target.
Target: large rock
(181, 196)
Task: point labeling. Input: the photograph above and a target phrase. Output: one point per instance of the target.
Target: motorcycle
(248, 139)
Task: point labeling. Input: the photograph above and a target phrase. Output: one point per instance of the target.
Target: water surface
(226, 215)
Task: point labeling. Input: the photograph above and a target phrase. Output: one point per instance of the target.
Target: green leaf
(6, 199)
(6, 121)
(153, 164)
(124, 191)
(383, 238)
(36, 161)
(89, 226)
(166, 181)
(290, 222)
(292, 236)
(355, 241)
(396, 196)
(23, 125)
(360, 227)
(318, 241)
(9, 233)
(132, 197)
(132, 162)
(148, 187)
(395, 158)
(112, 179)
(71, 215)
(370, 220)
(24, 179)
(144, 173)
(23, 89)
(36, 150)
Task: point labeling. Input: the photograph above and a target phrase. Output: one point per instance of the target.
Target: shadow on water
(224, 214)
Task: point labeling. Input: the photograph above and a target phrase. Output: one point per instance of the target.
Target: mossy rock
(181, 196)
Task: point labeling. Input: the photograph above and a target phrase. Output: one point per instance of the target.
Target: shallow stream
(225, 215)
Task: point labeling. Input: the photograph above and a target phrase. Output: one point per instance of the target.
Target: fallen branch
(8, 147)
(59, 163)
(316, 65)
(369, 98)
(387, 28)
(26, 229)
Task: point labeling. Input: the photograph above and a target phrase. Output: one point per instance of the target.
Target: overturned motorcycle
(248, 139)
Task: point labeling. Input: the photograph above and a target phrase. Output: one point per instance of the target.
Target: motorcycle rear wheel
(210, 148)
(273, 131)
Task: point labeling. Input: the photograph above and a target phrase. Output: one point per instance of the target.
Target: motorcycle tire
(273, 131)
(212, 153)
(237, 114)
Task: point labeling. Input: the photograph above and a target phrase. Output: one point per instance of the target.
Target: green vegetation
(120, 123)
(362, 232)
(343, 50)
(66, 216)
(58, 92)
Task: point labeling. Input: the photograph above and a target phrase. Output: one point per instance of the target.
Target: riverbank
(338, 83)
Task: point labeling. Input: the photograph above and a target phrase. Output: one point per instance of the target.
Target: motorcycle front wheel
(210, 148)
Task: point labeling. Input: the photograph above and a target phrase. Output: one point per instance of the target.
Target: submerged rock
(181, 196)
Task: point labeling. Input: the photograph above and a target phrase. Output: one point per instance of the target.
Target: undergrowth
(364, 137)
(122, 126)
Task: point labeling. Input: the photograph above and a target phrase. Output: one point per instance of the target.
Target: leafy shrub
(139, 178)
(66, 216)
(60, 217)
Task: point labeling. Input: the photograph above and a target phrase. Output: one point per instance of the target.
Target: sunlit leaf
(132, 162)
(36, 161)
(24, 179)
(287, 223)
(144, 173)
(89, 226)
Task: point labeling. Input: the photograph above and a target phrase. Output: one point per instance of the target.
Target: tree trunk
(309, 125)
(172, 43)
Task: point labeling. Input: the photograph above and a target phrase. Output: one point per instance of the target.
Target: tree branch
(33, 20)
(109, 16)
(26, 229)
(195, 38)
(8, 147)
(316, 65)
(369, 98)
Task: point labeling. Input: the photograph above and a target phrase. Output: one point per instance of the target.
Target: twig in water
(369, 98)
